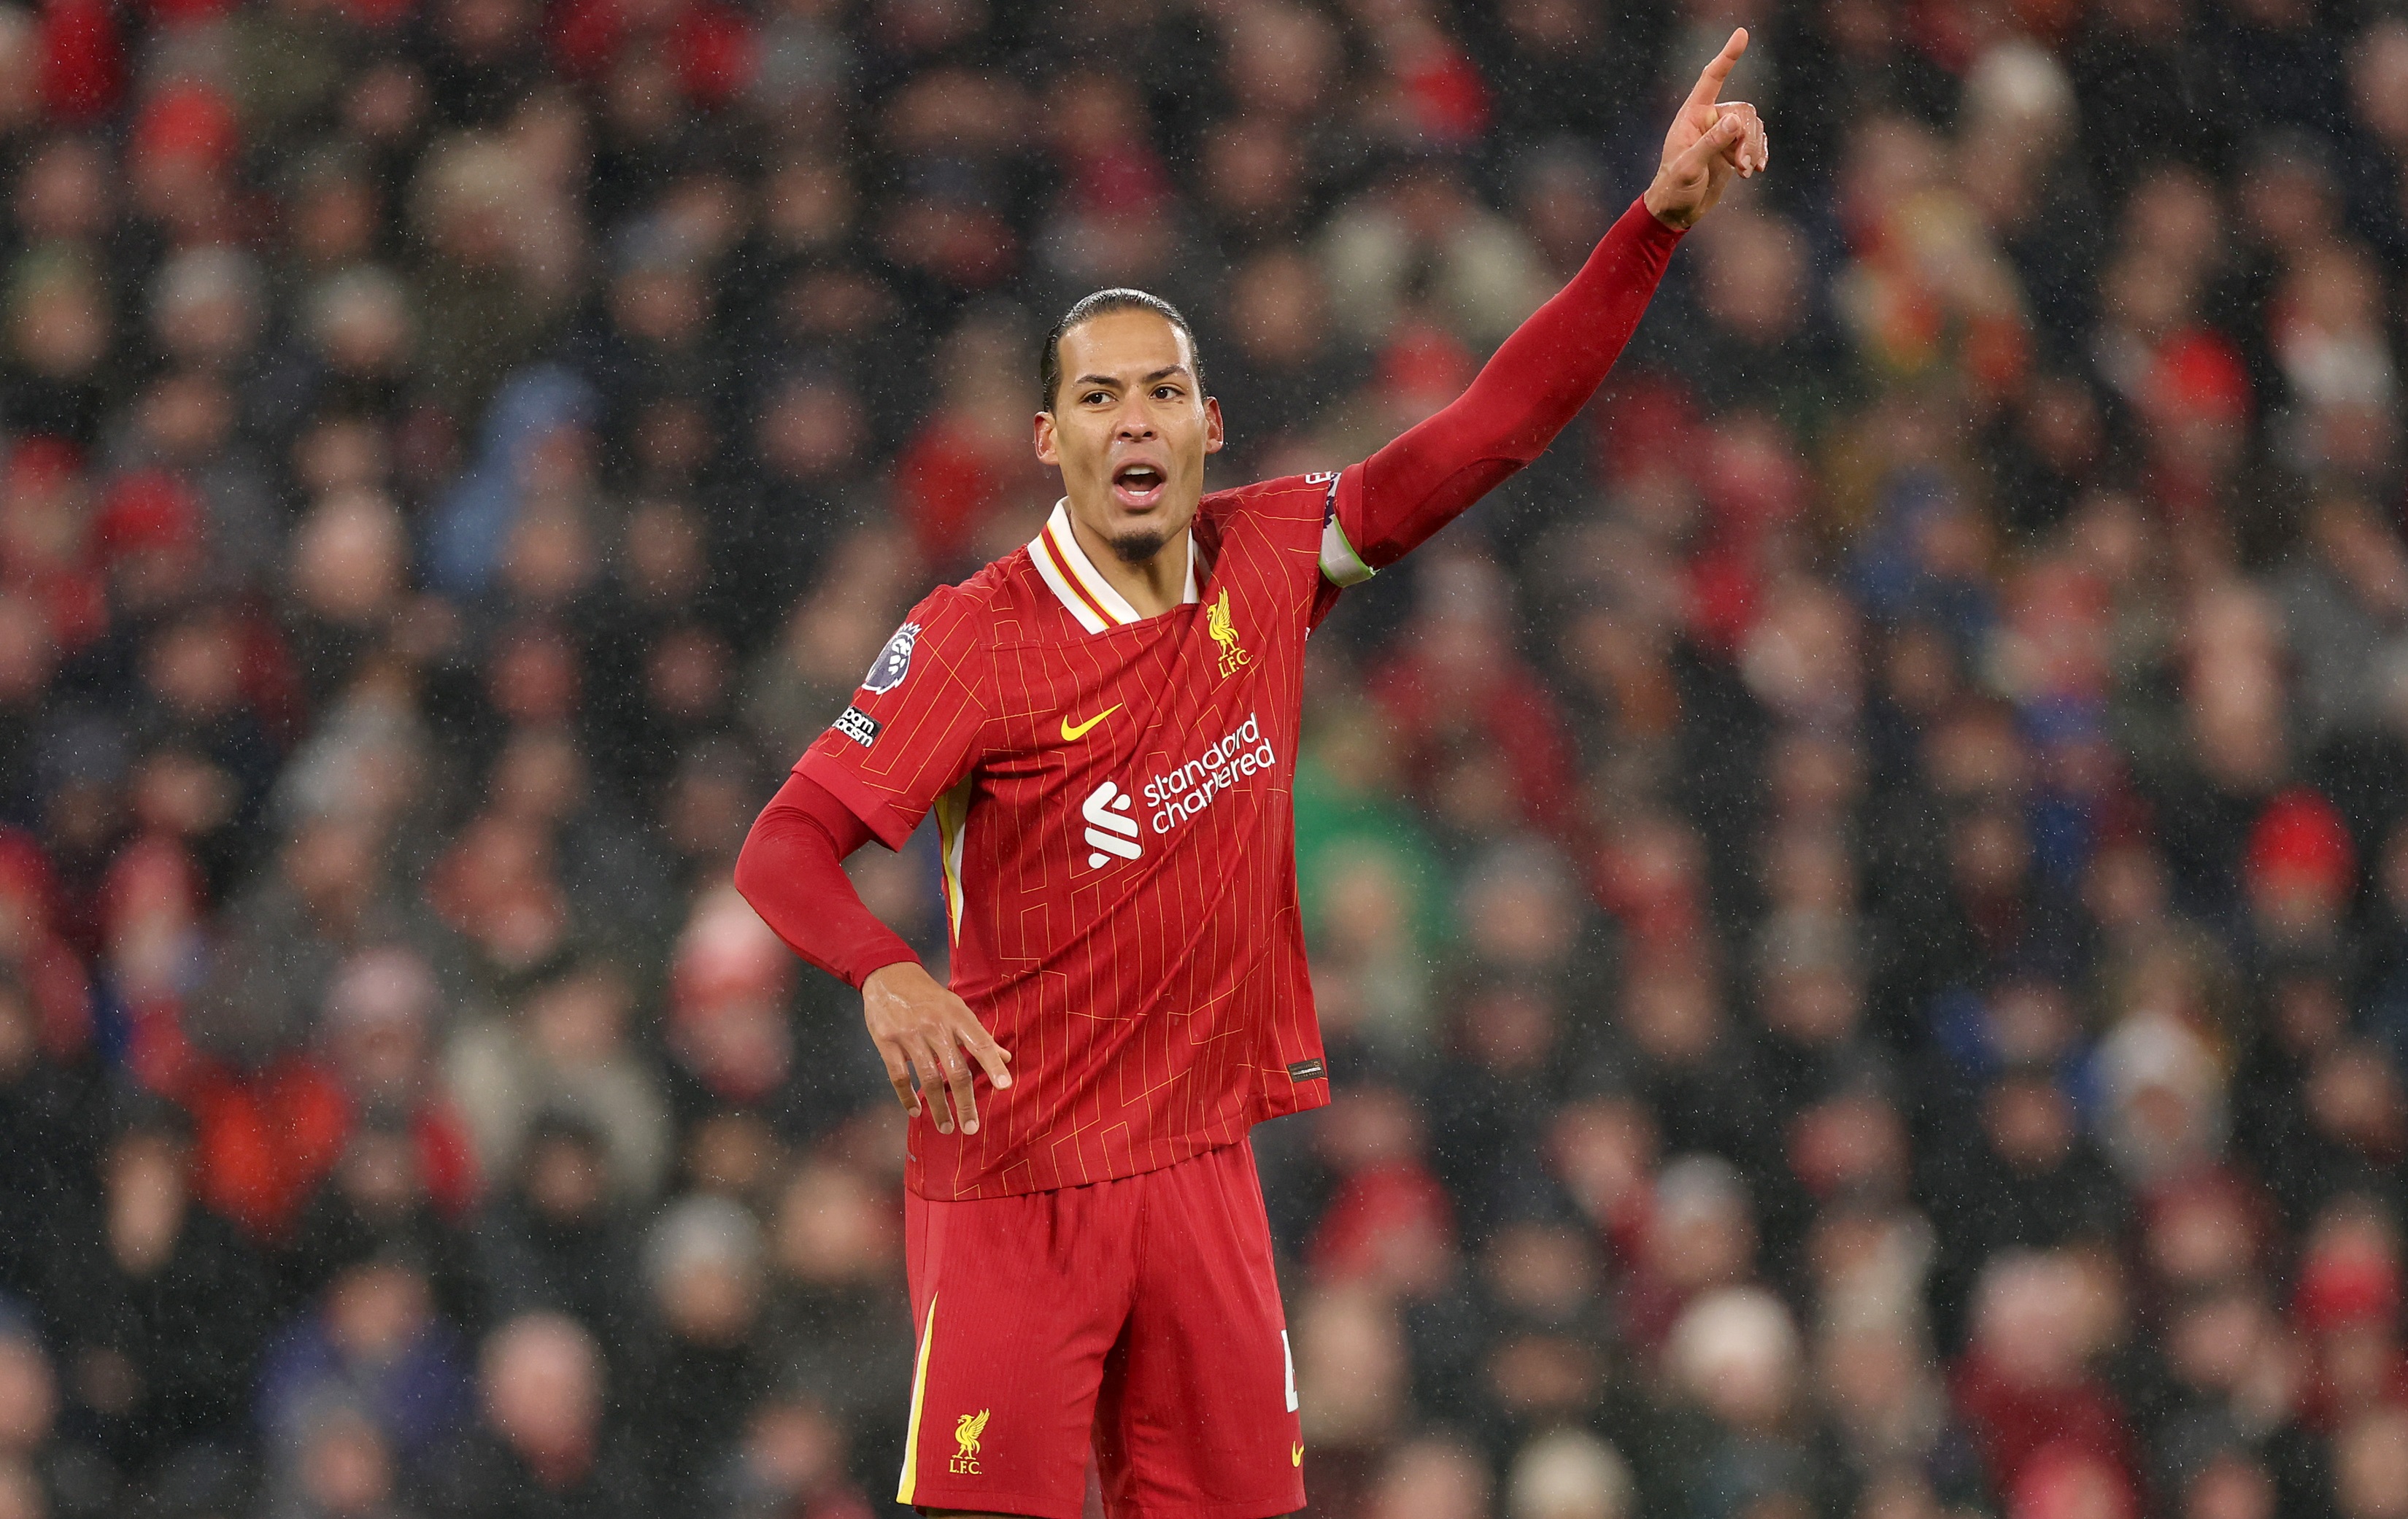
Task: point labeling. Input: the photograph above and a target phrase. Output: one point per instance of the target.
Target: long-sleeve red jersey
(1113, 793)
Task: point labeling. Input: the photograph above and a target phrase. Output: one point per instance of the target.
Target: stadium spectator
(539, 1444)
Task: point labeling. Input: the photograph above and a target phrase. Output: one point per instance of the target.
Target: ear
(1213, 434)
(1046, 451)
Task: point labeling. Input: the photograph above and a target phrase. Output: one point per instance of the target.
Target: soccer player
(1105, 725)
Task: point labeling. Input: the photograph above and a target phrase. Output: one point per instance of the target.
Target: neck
(1154, 585)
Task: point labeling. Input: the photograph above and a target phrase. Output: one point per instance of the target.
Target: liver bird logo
(1218, 622)
(966, 1430)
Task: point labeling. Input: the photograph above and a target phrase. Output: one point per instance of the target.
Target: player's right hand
(1711, 141)
(922, 1028)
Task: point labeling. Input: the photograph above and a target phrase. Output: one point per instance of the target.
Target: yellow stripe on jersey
(952, 819)
(1079, 585)
(910, 1482)
(1077, 577)
(1041, 553)
(1090, 580)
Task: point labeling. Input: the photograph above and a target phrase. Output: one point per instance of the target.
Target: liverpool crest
(966, 1430)
(1224, 633)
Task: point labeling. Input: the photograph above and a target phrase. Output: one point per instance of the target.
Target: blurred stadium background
(1860, 906)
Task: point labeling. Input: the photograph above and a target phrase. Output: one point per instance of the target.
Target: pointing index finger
(1710, 82)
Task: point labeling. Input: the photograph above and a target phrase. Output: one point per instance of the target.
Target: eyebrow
(1114, 379)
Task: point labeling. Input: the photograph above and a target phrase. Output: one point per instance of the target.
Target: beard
(1137, 547)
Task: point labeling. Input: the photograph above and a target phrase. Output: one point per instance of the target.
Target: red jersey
(1113, 798)
(1113, 793)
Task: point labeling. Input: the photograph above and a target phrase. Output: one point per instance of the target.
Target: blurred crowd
(1860, 906)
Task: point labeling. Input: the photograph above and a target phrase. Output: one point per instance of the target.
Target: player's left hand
(922, 1029)
(1710, 141)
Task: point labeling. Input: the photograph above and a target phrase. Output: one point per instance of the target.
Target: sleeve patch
(857, 725)
(893, 662)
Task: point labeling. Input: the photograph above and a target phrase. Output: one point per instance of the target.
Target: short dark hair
(1104, 303)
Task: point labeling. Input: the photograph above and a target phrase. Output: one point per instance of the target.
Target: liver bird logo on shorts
(1224, 633)
(966, 1430)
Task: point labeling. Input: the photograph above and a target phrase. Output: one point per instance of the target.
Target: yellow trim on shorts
(919, 1393)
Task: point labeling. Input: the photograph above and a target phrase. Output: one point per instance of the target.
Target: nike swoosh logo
(1296, 1457)
(1071, 735)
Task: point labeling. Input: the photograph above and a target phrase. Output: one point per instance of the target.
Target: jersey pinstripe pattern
(1156, 1007)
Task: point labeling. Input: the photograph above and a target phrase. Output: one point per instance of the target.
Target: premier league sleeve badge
(893, 662)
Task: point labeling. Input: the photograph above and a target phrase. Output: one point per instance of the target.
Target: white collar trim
(1082, 588)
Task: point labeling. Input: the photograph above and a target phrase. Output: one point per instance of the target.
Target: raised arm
(1542, 376)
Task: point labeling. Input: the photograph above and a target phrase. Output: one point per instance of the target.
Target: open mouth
(1139, 486)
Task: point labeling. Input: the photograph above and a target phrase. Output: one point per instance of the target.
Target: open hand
(922, 1028)
(1710, 141)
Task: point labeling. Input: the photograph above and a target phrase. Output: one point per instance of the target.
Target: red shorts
(1139, 1317)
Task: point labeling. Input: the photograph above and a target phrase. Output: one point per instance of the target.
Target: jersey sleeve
(1296, 514)
(1528, 391)
(914, 725)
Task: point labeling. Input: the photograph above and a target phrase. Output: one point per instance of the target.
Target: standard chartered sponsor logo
(1179, 794)
(1109, 828)
(1175, 796)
